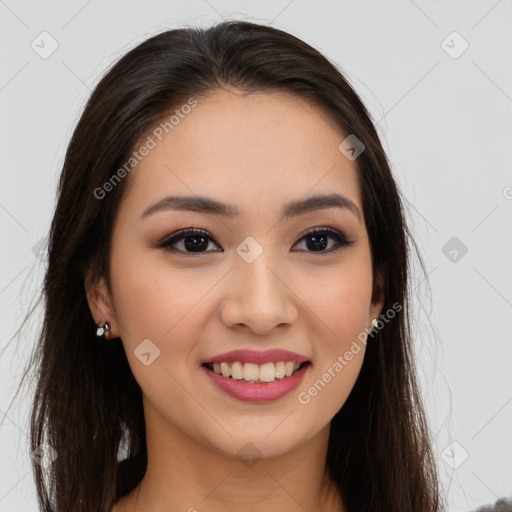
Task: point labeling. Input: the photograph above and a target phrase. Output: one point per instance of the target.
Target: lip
(257, 357)
(254, 392)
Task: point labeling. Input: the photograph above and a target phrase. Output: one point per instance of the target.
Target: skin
(257, 152)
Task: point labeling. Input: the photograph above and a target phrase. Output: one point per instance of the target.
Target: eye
(194, 240)
(191, 240)
(318, 239)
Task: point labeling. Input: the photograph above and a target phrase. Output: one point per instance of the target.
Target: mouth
(256, 373)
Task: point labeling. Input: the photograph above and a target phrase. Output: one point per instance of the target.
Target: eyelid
(342, 240)
(323, 229)
(176, 236)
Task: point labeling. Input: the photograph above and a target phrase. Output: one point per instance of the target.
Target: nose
(258, 298)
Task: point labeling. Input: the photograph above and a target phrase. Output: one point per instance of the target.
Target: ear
(100, 304)
(378, 297)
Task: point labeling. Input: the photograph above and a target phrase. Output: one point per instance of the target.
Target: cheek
(341, 312)
(156, 302)
(328, 388)
(151, 296)
(338, 300)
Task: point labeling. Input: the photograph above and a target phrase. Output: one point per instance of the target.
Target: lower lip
(252, 392)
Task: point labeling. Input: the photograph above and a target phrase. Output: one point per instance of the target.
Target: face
(252, 279)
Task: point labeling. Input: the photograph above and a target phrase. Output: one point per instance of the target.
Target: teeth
(224, 368)
(237, 371)
(267, 372)
(251, 372)
(280, 369)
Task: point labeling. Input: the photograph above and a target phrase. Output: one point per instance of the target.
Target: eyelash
(168, 241)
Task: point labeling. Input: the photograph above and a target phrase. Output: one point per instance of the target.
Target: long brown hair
(87, 405)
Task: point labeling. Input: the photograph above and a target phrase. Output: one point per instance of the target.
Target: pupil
(316, 242)
(195, 246)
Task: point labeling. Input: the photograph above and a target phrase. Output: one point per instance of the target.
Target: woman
(226, 292)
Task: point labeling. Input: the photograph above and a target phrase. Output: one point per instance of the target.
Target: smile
(254, 389)
(250, 372)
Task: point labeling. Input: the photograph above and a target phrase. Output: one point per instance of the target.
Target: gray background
(445, 121)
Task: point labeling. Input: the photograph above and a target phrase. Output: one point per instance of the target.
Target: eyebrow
(210, 206)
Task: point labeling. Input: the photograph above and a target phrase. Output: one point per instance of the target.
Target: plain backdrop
(436, 78)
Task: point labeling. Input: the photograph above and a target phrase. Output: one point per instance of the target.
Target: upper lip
(257, 357)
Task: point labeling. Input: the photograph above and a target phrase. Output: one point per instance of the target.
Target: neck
(184, 474)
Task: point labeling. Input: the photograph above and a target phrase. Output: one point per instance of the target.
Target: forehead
(246, 149)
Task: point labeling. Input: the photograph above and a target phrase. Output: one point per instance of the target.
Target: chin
(256, 443)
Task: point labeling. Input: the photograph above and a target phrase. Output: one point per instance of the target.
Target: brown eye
(317, 240)
(197, 241)
(187, 241)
